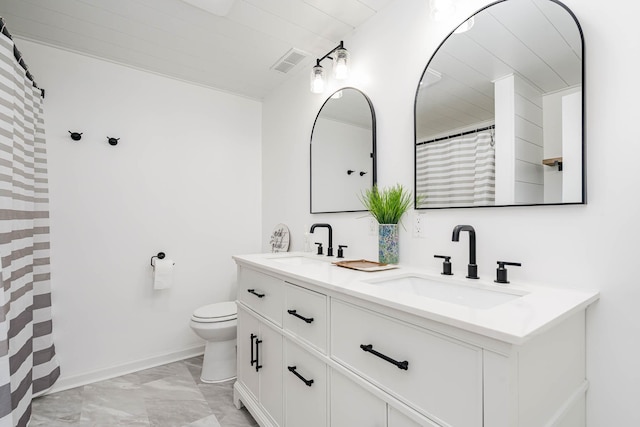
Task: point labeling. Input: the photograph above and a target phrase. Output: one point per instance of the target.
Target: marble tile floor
(170, 395)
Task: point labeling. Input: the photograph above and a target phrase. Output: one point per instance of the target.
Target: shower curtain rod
(457, 135)
(18, 55)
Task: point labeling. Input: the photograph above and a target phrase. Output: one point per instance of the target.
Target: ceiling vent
(289, 60)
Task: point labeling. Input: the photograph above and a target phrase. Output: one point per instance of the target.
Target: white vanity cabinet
(320, 353)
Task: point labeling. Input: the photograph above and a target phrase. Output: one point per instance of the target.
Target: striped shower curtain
(459, 171)
(27, 355)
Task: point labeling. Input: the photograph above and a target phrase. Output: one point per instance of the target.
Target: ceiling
(234, 53)
(535, 39)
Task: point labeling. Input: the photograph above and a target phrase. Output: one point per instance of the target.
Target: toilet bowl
(217, 324)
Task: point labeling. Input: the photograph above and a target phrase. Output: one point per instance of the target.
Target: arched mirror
(499, 111)
(343, 152)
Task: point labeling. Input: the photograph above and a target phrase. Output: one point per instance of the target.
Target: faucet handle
(446, 264)
(319, 247)
(501, 272)
(341, 251)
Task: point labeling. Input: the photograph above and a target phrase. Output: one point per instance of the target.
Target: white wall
(183, 179)
(333, 189)
(587, 246)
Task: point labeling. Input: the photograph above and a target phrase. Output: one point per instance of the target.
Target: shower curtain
(460, 171)
(27, 354)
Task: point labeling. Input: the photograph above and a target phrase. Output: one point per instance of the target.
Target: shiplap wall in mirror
(499, 111)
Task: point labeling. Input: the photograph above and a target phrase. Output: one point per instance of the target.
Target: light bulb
(317, 79)
(341, 64)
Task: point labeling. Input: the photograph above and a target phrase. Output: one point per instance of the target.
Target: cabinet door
(270, 362)
(248, 330)
(351, 405)
(305, 388)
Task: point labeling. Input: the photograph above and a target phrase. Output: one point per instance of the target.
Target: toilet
(217, 324)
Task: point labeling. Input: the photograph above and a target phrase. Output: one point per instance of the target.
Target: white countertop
(514, 322)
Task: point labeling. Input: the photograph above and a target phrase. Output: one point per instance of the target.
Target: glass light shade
(317, 79)
(465, 26)
(341, 64)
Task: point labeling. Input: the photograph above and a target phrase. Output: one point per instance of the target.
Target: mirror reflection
(343, 160)
(499, 110)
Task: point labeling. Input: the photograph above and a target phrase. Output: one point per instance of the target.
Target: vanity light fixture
(340, 60)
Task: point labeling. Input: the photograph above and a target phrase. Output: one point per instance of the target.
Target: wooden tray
(364, 265)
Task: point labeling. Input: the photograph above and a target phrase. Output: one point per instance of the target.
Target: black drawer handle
(258, 366)
(294, 313)
(292, 369)
(252, 359)
(369, 349)
(253, 291)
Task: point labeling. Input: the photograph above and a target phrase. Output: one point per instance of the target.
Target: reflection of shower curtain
(456, 172)
(27, 354)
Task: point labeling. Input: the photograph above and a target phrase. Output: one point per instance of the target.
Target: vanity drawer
(305, 315)
(263, 293)
(441, 378)
(305, 385)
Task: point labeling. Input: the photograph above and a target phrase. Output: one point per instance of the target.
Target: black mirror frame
(584, 119)
(374, 174)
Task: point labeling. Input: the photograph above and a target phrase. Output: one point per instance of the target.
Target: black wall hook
(76, 136)
(114, 141)
(362, 173)
(349, 172)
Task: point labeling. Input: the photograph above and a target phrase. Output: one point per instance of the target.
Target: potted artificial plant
(387, 206)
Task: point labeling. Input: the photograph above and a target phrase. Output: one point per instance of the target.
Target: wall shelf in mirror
(555, 161)
(520, 69)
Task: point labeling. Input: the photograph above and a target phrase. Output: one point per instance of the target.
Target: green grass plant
(386, 205)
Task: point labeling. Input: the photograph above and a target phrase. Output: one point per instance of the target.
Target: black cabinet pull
(252, 359)
(369, 349)
(258, 366)
(294, 313)
(253, 291)
(292, 369)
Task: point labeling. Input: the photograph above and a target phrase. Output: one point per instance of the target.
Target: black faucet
(330, 243)
(472, 269)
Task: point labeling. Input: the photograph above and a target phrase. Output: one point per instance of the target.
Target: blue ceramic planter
(388, 250)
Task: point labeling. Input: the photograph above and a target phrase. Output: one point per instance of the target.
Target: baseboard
(66, 383)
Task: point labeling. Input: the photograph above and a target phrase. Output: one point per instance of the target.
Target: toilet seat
(214, 313)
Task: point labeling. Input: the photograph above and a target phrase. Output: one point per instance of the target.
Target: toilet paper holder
(160, 255)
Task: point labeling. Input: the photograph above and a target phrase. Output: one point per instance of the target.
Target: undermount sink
(472, 295)
(298, 260)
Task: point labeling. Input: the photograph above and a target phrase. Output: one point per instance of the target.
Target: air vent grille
(289, 60)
